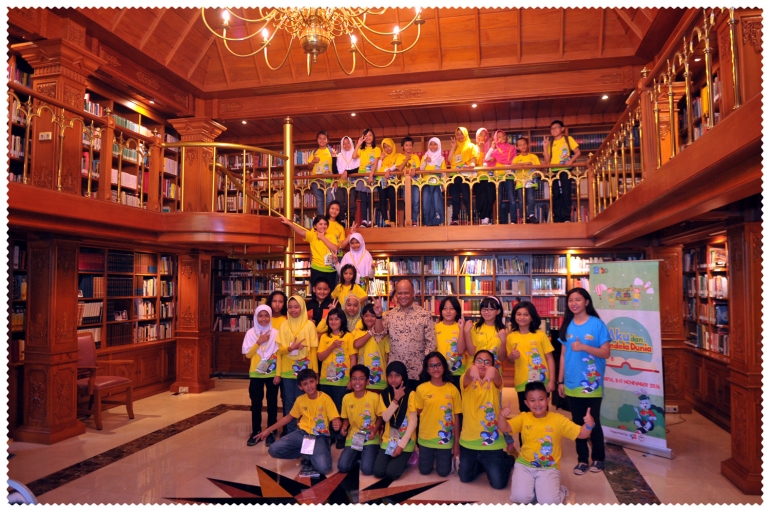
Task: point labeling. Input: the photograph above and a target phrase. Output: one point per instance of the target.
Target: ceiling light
(605, 97)
(474, 105)
(244, 122)
(697, 59)
(152, 102)
(353, 114)
(316, 29)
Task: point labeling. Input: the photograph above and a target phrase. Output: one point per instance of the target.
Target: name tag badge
(392, 443)
(328, 260)
(262, 366)
(359, 438)
(308, 445)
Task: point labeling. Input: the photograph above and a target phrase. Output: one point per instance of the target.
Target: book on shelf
(476, 286)
(404, 267)
(16, 148)
(549, 285)
(512, 287)
(550, 306)
(439, 266)
(580, 282)
(90, 312)
(377, 287)
(19, 257)
(549, 263)
(19, 287)
(512, 266)
(167, 309)
(96, 334)
(717, 257)
(478, 266)
(144, 309)
(18, 315)
(437, 286)
(167, 137)
(92, 287)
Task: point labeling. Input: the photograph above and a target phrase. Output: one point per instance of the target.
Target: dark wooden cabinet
(706, 385)
(228, 358)
(152, 368)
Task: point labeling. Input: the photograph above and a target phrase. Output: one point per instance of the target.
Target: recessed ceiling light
(353, 114)
(244, 122)
(474, 105)
(605, 97)
(697, 59)
(152, 102)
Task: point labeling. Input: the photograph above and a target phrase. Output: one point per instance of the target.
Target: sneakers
(485, 221)
(532, 220)
(597, 466)
(453, 223)
(270, 439)
(308, 471)
(564, 494)
(252, 439)
(581, 468)
(388, 224)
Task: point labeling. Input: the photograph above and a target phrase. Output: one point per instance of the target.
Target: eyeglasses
(434, 366)
(488, 310)
(485, 362)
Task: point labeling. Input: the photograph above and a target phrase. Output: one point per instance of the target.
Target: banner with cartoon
(625, 295)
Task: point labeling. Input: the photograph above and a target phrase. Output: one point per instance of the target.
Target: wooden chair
(92, 388)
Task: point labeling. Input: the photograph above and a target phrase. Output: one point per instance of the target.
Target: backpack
(550, 149)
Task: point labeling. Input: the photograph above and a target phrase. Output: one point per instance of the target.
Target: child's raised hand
(588, 420)
(285, 220)
(333, 304)
(515, 352)
(461, 323)
(377, 308)
(546, 141)
(263, 339)
(453, 142)
(336, 423)
(399, 392)
(467, 326)
(505, 412)
(296, 345)
(427, 159)
(333, 152)
(577, 346)
(337, 343)
(361, 140)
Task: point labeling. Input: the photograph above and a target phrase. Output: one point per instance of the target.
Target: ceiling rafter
(218, 45)
(291, 59)
(628, 21)
(251, 45)
(438, 38)
(602, 28)
(181, 39)
(562, 30)
(478, 39)
(152, 28)
(520, 36)
(646, 13)
(119, 17)
(203, 52)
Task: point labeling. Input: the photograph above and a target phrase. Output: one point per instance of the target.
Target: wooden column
(744, 467)
(193, 333)
(196, 175)
(155, 173)
(61, 67)
(671, 323)
(51, 351)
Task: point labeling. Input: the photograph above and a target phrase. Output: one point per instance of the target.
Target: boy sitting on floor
(536, 475)
(314, 412)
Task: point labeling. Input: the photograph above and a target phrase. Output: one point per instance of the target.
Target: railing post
(288, 199)
(154, 203)
(734, 54)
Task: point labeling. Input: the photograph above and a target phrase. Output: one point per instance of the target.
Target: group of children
(453, 419)
(366, 157)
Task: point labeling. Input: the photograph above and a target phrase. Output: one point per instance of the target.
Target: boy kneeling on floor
(315, 412)
(536, 475)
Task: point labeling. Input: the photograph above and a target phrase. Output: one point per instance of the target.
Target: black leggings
(485, 199)
(388, 194)
(257, 394)
(579, 406)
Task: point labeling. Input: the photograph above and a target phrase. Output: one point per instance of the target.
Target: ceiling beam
(203, 52)
(562, 30)
(119, 17)
(601, 31)
(251, 45)
(520, 36)
(628, 21)
(646, 13)
(181, 39)
(438, 38)
(152, 28)
(222, 60)
(478, 39)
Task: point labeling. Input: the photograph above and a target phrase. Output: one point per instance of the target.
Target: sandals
(581, 468)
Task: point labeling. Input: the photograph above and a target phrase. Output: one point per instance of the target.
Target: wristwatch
(378, 317)
(560, 383)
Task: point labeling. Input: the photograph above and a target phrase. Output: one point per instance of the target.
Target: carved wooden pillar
(61, 67)
(196, 178)
(193, 333)
(744, 467)
(51, 352)
(155, 173)
(671, 323)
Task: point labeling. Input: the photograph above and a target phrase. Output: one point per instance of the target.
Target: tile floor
(181, 465)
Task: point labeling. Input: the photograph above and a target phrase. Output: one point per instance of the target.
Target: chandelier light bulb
(226, 16)
(396, 30)
(265, 34)
(352, 39)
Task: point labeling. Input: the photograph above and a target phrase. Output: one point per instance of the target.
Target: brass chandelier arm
(266, 17)
(336, 54)
(360, 24)
(391, 52)
(393, 58)
(288, 51)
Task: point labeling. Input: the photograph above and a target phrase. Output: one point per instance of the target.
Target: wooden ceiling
(470, 41)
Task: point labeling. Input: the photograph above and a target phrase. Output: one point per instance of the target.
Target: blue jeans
(507, 192)
(442, 458)
(530, 202)
(349, 457)
(495, 463)
(289, 447)
(319, 197)
(416, 204)
(289, 393)
(336, 393)
(432, 206)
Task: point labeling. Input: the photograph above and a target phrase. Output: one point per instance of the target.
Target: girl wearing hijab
(298, 347)
(485, 189)
(400, 417)
(352, 307)
(388, 164)
(346, 162)
(360, 258)
(432, 200)
(501, 154)
(461, 156)
(261, 346)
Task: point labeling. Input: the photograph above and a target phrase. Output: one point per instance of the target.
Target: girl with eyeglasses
(450, 340)
(481, 445)
(489, 332)
(438, 404)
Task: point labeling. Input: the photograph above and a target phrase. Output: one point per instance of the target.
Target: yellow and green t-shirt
(362, 415)
(341, 292)
(432, 179)
(315, 416)
(324, 165)
(523, 174)
(335, 229)
(446, 344)
(273, 362)
(395, 437)
(560, 152)
(335, 369)
(276, 321)
(485, 338)
(541, 438)
(321, 255)
(306, 357)
(439, 406)
(368, 156)
(373, 355)
(530, 366)
(481, 405)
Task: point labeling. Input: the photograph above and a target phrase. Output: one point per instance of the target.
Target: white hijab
(266, 349)
(347, 160)
(361, 259)
(435, 156)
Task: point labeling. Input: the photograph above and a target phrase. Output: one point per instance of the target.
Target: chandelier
(316, 29)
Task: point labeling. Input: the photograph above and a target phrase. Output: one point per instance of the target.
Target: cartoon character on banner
(645, 416)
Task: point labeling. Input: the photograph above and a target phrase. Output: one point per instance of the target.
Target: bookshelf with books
(19, 73)
(169, 176)
(17, 330)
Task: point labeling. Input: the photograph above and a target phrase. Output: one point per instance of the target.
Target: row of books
(512, 287)
(170, 166)
(136, 127)
(167, 309)
(127, 180)
(90, 313)
(549, 285)
(144, 309)
(94, 166)
(15, 176)
(478, 266)
(120, 286)
(145, 263)
(579, 213)
(167, 288)
(19, 287)
(582, 265)
(549, 264)
(96, 334)
(165, 330)
(702, 337)
(91, 107)
(439, 287)
(20, 77)
(97, 141)
(18, 313)
(404, 267)
(715, 287)
(234, 203)
(152, 332)
(19, 260)
(129, 154)
(91, 286)
(16, 148)
(167, 137)
(439, 266)
(580, 282)
(235, 162)
(166, 266)
(147, 287)
(241, 266)
(120, 261)
(119, 334)
(716, 314)
(17, 115)
(377, 287)
(233, 306)
(125, 198)
(475, 286)
(249, 286)
(550, 306)
(512, 266)
(240, 324)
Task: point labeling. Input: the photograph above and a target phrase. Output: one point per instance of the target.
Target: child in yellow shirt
(261, 346)
(369, 155)
(524, 180)
(322, 161)
(450, 340)
(361, 423)
(432, 199)
(348, 284)
(323, 248)
(408, 162)
(373, 349)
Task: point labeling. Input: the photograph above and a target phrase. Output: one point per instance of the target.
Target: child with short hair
(261, 347)
(361, 423)
(322, 160)
(319, 306)
(336, 352)
(323, 248)
(315, 411)
(450, 340)
(348, 284)
(438, 404)
(488, 333)
(432, 199)
(373, 349)
(523, 181)
(409, 162)
(536, 475)
(561, 150)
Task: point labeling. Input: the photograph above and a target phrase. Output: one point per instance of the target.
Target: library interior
(131, 291)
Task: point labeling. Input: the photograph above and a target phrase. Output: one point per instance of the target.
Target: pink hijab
(505, 152)
(484, 148)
